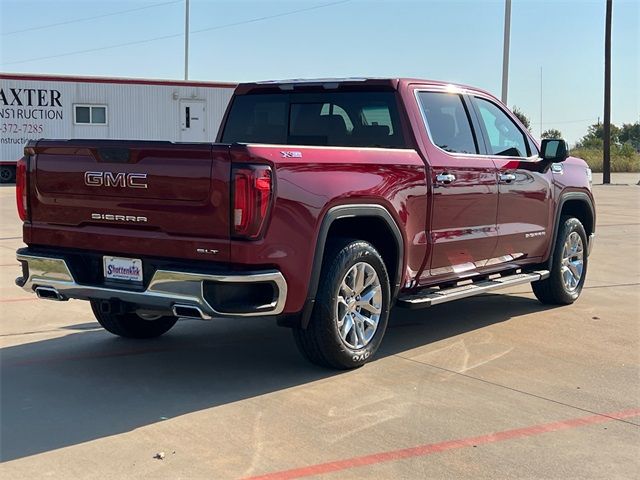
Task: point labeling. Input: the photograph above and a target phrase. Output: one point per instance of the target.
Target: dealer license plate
(118, 268)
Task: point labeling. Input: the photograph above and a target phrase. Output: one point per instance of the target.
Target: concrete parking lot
(497, 386)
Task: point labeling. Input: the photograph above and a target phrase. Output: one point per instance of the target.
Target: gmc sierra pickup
(322, 204)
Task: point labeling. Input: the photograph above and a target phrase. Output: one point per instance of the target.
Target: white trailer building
(45, 106)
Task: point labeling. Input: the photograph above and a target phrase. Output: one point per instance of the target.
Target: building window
(90, 114)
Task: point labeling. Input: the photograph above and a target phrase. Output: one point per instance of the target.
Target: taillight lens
(21, 188)
(252, 195)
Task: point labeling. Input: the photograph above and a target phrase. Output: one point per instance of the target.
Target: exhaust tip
(188, 311)
(49, 293)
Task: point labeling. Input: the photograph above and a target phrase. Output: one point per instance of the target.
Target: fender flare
(564, 198)
(350, 211)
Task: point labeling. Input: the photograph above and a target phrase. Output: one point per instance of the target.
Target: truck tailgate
(134, 191)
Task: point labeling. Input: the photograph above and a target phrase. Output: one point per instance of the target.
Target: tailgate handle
(113, 155)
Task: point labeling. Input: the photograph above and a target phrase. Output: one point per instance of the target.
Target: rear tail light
(21, 189)
(252, 196)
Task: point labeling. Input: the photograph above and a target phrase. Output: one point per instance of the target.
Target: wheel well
(373, 230)
(580, 210)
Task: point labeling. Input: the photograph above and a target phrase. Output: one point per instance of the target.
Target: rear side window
(350, 119)
(505, 138)
(448, 122)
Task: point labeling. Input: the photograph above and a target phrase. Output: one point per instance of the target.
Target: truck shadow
(88, 384)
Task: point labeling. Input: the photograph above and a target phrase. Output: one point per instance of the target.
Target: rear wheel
(132, 325)
(352, 308)
(569, 266)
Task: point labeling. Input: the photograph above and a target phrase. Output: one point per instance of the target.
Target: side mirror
(554, 150)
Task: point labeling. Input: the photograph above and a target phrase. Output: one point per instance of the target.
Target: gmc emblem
(111, 179)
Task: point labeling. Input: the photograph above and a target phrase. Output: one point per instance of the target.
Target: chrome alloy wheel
(572, 261)
(359, 305)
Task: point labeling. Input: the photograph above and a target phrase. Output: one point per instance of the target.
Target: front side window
(448, 122)
(349, 119)
(505, 138)
(90, 114)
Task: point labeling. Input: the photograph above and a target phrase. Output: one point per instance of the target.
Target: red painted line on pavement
(25, 299)
(428, 449)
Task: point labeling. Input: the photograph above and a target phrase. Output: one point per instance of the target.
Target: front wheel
(351, 312)
(569, 266)
(132, 325)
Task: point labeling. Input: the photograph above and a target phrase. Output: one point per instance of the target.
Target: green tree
(595, 136)
(630, 134)
(522, 117)
(552, 133)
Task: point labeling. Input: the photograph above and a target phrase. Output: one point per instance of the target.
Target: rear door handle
(445, 178)
(507, 177)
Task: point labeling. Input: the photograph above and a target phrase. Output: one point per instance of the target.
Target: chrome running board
(434, 296)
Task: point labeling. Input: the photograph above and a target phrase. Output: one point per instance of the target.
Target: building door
(193, 121)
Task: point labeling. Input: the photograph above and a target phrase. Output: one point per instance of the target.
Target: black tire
(7, 174)
(131, 325)
(553, 291)
(321, 342)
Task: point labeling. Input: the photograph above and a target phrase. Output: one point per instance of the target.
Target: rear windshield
(349, 119)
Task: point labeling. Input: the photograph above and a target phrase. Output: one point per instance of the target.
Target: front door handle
(507, 177)
(445, 178)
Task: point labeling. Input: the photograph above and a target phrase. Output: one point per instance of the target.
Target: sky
(454, 41)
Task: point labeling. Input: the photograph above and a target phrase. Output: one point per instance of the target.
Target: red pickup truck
(322, 203)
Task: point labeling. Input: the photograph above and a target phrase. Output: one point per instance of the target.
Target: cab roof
(349, 83)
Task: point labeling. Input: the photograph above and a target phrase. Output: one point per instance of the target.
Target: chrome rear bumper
(166, 290)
